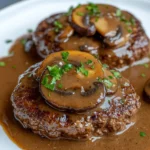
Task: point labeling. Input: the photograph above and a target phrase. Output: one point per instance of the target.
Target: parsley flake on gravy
(82, 70)
(65, 56)
(2, 64)
(142, 134)
(58, 26)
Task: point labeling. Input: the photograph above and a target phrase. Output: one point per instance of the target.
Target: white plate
(16, 19)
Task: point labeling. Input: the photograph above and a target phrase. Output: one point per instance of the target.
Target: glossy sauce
(25, 139)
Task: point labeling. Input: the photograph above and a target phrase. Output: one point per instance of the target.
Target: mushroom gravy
(133, 138)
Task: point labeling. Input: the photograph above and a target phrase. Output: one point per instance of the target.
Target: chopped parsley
(56, 73)
(80, 14)
(110, 77)
(60, 86)
(107, 82)
(105, 66)
(2, 64)
(65, 56)
(58, 26)
(30, 30)
(116, 73)
(67, 67)
(14, 67)
(78, 6)
(82, 70)
(92, 66)
(8, 41)
(143, 75)
(46, 84)
(129, 30)
(23, 41)
(89, 62)
(132, 20)
(49, 94)
(142, 134)
(146, 65)
(93, 9)
(69, 11)
(118, 13)
(99, 79)
(96, 19)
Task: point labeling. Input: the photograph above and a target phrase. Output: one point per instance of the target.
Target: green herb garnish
(89, 62)
(93, 9)
(60, 86)
(107, 82)
(67, 67)
(14, 67)
(118, 13)
(129, 30)
(55, 71)
(78, 6)
(92, 66)
(69, 11)
(8, 41)
(105, 66)
(30, 30)
(82, 70)
(99, 79)
(80, 14)
(132, 20)
(142, 134)
(2, 64)
(116, 73)
(46, 84)
(65, 56)
(143, 75)
(23, 41)
(49, 94)
(58, 26)
(146, 65)
(110, 77)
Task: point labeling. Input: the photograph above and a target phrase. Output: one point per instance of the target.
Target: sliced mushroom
(71, 97)
(80, 21)
(147, 91)
(87, 19)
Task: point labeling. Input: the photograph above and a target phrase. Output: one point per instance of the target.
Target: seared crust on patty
(33, 113)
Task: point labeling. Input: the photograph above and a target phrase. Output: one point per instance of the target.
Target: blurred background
(4, 3)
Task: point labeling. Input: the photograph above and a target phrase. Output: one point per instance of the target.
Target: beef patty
(33, 113)
(50, 36)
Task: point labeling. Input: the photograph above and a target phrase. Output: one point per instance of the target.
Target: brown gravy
(25, 139)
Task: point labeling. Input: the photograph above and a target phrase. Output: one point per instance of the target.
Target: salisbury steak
(116, 37)
(35, 110)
